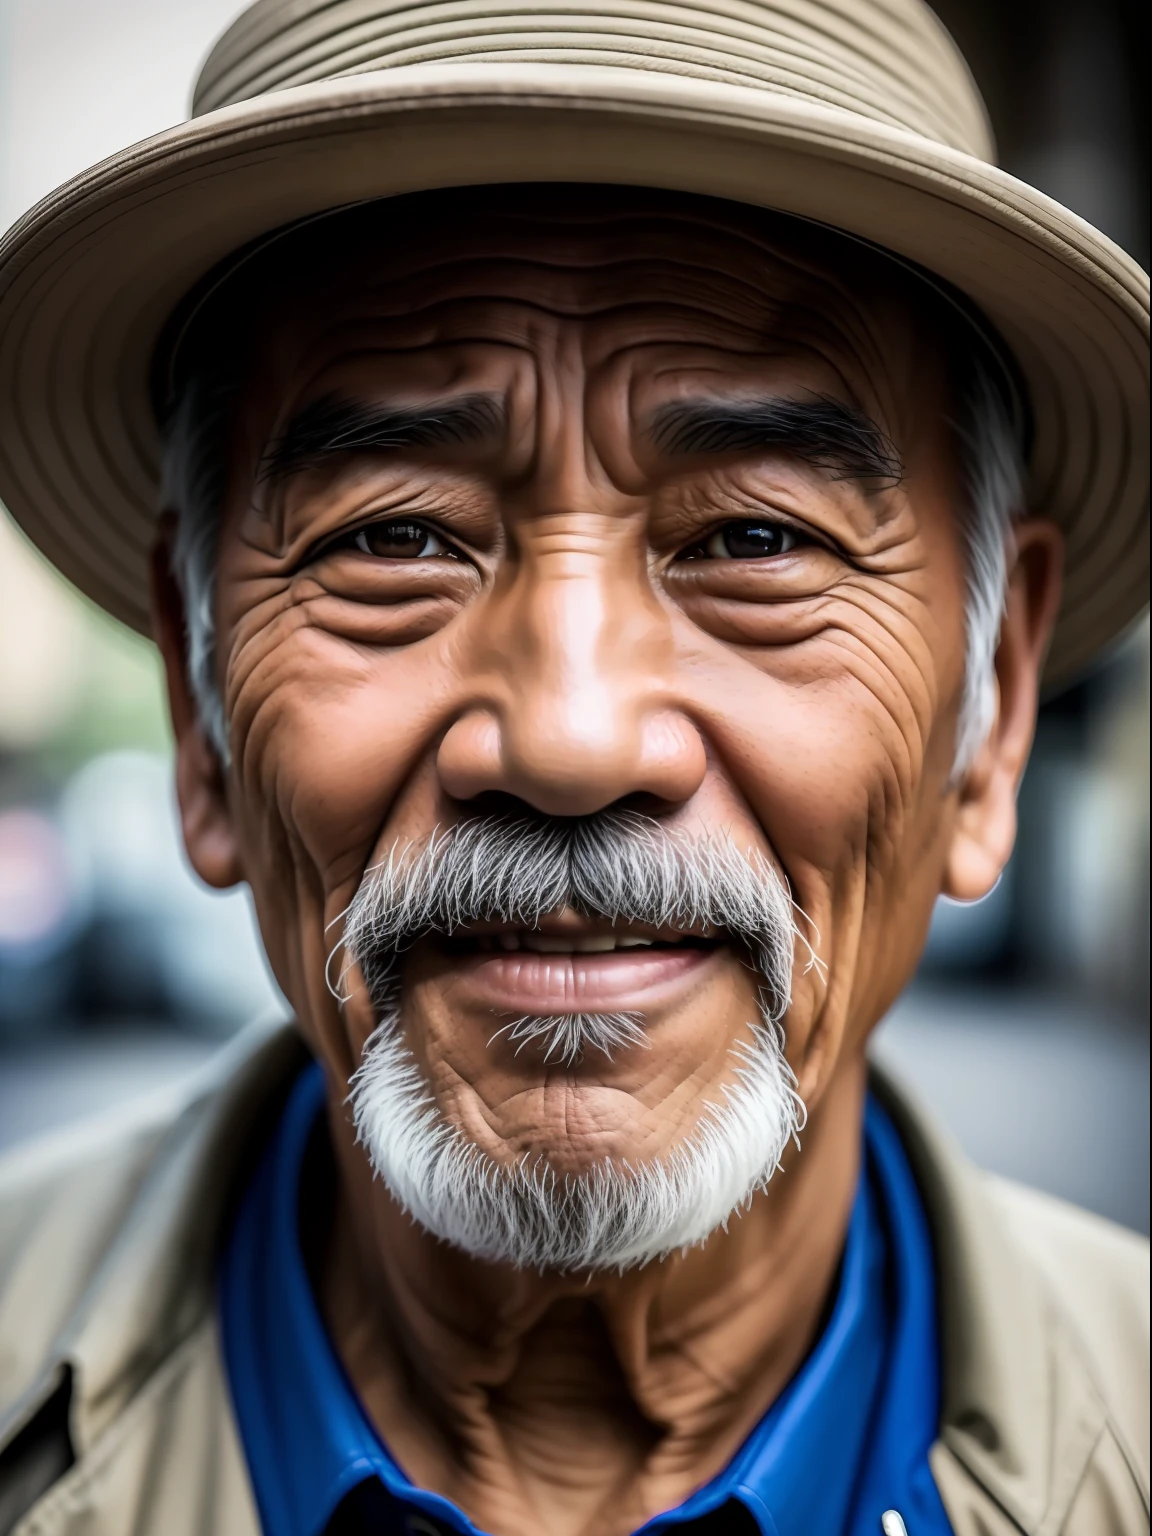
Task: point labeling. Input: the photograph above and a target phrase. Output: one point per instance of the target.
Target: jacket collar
(1019, 1408)
(156, 1281)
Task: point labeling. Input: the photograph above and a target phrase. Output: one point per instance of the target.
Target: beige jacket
(114, 1412)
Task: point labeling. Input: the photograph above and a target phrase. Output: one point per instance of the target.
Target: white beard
(614, 1215)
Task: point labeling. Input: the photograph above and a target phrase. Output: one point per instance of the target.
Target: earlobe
(205, 816)
(984, 830)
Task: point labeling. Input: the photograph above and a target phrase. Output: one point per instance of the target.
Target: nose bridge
(569, 702)
(582, 666)
(574, 704)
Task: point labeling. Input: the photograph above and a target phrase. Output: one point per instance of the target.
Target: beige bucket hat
(857, 113)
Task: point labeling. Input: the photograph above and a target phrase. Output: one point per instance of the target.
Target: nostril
(495, 802)
(498, 802)
(651, 806)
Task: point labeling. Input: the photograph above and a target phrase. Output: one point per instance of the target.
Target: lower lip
(618, 981)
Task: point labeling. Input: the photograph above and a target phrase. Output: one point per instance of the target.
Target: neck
(574, 1404)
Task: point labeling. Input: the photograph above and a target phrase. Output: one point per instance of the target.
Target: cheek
(826, 747)
(835, 703)
(833, 750)
(327, 735)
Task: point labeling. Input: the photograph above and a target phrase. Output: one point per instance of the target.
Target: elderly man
(612, 473)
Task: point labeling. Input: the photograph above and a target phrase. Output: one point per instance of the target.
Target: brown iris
(400, 541)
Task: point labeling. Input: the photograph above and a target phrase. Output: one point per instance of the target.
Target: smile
(574, 965)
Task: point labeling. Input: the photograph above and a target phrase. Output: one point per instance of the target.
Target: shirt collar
(307, 1439)
(848, 1438)
(869, 1388)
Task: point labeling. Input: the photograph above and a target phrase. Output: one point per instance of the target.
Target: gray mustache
(615, 865)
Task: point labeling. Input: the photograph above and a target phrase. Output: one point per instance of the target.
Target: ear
(205, 816)
(985, 828)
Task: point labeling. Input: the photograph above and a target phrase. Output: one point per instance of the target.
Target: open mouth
(575, 963)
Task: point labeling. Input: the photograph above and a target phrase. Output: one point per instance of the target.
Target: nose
(574, 705)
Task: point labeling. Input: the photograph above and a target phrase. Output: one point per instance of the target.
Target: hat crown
(890, 61)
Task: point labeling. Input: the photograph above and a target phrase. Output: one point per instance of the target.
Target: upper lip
(570, 933)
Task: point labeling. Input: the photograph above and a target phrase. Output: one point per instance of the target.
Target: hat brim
(89, 277)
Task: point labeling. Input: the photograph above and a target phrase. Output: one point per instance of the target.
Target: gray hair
(992, 456)
(992, 462)
(193, 480)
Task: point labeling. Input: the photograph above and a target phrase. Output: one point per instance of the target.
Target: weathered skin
(807, 703)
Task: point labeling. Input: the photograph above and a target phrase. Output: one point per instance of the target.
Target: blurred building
(1066, 83)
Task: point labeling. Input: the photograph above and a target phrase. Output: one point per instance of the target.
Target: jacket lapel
(155, 1285)
(1020, 1412)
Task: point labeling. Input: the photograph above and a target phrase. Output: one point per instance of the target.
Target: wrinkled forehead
(654, 266)
(580, 250)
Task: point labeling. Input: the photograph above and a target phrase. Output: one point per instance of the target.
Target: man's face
(578, 509)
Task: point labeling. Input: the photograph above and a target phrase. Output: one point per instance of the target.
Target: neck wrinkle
(481, 1379)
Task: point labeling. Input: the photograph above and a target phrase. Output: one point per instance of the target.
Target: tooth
(596, 944)
(631, 943)
(509, 940)
(545, 944)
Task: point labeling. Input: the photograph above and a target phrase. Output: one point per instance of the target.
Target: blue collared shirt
(847, 1439)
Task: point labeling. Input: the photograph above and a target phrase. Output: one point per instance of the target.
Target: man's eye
(745, 541)
(400, 541)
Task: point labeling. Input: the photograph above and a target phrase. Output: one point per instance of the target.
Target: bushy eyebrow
(817, 429)
(334, 425)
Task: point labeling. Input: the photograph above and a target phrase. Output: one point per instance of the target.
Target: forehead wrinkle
(745, 272)
(749, 309)
(751, 261)
(790, 301)
(591, 292)
(347, 348)
(422, 250)
(454, 325)
(863, 347)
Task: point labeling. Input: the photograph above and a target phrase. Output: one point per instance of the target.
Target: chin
(570, 1202)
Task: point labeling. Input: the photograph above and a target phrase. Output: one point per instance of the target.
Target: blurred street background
(1027, 1026)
